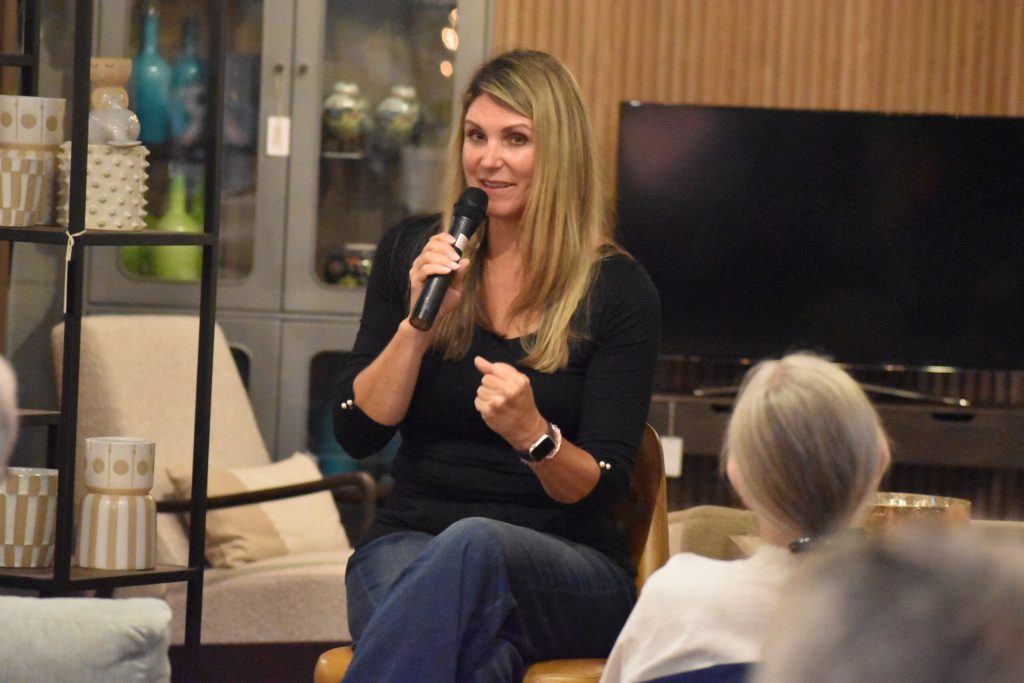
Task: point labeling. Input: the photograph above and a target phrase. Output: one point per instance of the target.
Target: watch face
(542, 449)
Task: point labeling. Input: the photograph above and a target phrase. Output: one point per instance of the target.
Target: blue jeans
(478, 602)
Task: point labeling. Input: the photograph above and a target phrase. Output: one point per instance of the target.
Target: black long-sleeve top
(450, 465)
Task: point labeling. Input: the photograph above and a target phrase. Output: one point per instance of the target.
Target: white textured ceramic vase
(117, 525)
(115, 195)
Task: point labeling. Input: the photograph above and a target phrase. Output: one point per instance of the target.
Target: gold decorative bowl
(890, 510)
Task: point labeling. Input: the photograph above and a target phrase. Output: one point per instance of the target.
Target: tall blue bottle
(152, 76)
(188, 88)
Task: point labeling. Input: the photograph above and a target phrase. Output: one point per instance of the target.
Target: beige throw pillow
(236, 536)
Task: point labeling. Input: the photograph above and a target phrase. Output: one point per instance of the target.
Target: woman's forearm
(384, 388)
(570, 475)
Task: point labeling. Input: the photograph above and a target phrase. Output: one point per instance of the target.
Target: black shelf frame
(41, 579)
(62, 578)
(44, 234)
(28, 59)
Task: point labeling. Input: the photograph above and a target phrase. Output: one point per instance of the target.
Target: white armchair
(137, 378)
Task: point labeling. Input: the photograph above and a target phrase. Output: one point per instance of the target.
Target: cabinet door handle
(303, 68)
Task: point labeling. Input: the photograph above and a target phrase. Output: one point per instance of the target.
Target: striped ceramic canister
(117, 532)
(28, 513)
(21, 190)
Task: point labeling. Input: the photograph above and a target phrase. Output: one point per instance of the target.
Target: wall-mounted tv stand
(936, 416)
(915, 396)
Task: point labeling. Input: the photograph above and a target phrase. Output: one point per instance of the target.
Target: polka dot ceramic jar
(115, 192)
(31, 121)
(117, 526)
(119, 464)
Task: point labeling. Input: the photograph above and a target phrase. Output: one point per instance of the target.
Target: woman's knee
(477, 539)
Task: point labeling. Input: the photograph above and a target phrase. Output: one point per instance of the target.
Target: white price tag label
(279, 135)
(672, 448)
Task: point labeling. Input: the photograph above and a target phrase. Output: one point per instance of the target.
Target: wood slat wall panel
(936, 56)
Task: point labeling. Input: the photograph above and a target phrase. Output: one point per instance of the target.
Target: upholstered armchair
(275, 549)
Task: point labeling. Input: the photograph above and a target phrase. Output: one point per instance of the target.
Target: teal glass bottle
(188, 88)
(179, 262)
(152, 77)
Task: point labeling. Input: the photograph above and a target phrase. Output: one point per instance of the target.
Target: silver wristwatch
(546, 446)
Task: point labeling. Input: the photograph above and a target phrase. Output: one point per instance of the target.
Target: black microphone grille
(473, 197)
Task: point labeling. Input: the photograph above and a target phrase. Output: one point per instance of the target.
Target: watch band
(545, 447)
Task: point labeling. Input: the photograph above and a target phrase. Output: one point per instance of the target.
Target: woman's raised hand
(505, 401)
(438, 258)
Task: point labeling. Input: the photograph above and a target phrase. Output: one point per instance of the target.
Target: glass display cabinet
(161, 36)
(375, 108)
(337, 113)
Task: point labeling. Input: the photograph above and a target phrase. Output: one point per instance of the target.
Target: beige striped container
(43, 212)
(117, 527)
(26, 555)
(32, 128)
(28, 514)
(117, 532)
(21, 190)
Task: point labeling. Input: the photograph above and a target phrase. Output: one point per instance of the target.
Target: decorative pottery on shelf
(398, 118)
(31, 129)
(187, 106)
(347, 117)
(177, 262)
(117, 524)
(28, 514)
(152, 84)
(111, 122)
(116, 178)
(21, 191)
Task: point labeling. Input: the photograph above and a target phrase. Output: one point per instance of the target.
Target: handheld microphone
(468, 214)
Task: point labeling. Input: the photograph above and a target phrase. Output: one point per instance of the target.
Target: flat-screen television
(874, 238)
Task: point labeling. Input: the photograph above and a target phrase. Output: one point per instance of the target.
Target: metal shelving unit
(63, 578)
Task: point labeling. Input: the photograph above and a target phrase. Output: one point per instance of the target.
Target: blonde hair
(807, 444)
(566, 228)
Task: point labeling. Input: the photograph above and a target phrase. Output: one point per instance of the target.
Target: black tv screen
(875, 238)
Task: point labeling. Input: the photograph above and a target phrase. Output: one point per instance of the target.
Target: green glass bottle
(181, 263)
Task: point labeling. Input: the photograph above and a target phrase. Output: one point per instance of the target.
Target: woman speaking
(520, 406)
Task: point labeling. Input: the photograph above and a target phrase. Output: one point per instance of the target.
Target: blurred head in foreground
(922, 607)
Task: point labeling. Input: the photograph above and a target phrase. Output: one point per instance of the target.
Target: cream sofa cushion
(289, 598)
(239, 535)
(84, 640)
